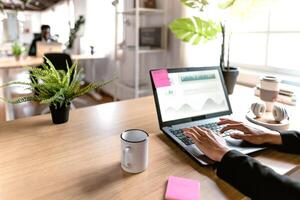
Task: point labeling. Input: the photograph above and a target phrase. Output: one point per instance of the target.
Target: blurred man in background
(45, 36)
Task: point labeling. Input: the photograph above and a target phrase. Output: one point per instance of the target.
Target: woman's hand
(251, 135)
(212, 145)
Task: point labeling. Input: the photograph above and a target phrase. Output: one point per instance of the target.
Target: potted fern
(57, 88)
(198, 29)
(230, 73)
(17, 50)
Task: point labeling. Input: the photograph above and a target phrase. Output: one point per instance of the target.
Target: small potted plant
(17, 50)
(196, 29)
(57, 88)
(230, 73)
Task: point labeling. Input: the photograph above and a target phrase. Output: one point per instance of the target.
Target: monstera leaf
(198, 4)
(226, 4)
(194, 30)
(201, 4)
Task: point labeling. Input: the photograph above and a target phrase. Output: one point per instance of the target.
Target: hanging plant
(73, 31)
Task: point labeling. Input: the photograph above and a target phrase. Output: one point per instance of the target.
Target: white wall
(59, 17)
(174, 59)
(95, 26)
(30, 23)
(22, 25)
(18, 28)
(80, 8)
(105, 69)
(1, 31)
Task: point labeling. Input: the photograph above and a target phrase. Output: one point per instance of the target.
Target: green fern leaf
(21, 99)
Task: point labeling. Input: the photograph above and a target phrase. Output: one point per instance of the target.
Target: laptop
(45, 47)
(197, 96)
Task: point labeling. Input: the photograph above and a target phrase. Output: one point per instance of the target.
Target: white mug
(134, 147)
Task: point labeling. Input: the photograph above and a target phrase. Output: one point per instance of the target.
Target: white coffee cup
(269, 90)
(134, 147)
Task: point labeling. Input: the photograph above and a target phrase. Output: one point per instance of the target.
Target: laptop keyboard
(179, 134)
(214, 127)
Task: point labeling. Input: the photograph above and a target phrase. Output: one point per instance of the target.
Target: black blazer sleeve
(290, 142)
(254, 179)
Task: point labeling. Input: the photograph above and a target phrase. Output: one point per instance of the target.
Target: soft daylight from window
(266, 39)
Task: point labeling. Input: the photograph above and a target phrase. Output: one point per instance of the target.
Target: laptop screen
(188, 94)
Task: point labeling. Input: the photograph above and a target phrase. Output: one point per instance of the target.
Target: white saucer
(267, 120)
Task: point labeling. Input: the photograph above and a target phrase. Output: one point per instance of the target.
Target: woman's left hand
(212, 145)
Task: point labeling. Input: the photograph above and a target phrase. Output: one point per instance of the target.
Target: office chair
(59, 60)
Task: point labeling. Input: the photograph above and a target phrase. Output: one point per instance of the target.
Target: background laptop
(45, 47)
(186, 97)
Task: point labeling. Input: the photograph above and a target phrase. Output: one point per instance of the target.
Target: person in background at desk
(244, 172)
(45, 37)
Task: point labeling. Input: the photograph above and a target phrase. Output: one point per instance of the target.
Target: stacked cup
(269, 90)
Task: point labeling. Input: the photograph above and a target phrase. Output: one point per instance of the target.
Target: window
(267, 40)
(270, 40)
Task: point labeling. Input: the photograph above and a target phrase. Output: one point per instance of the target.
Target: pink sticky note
(182, 189)
(160, 78)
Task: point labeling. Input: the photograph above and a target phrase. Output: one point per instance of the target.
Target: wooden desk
(81, 159)
(11, 62)
(8, 63)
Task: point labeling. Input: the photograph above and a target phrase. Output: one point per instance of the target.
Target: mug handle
(126, 152)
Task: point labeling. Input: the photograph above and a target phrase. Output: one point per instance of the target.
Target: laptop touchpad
(195, 150)
(199, 155)
(237, 143)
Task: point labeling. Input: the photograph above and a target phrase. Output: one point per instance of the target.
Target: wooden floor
(32, 109)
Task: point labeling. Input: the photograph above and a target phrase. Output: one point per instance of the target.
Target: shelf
(130, 20)
(127, 92)
(147, 50)
(151, 50)
(142, 11)
(143, 89)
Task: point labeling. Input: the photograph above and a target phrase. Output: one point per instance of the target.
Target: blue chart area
(185, 108)
(209, 106)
